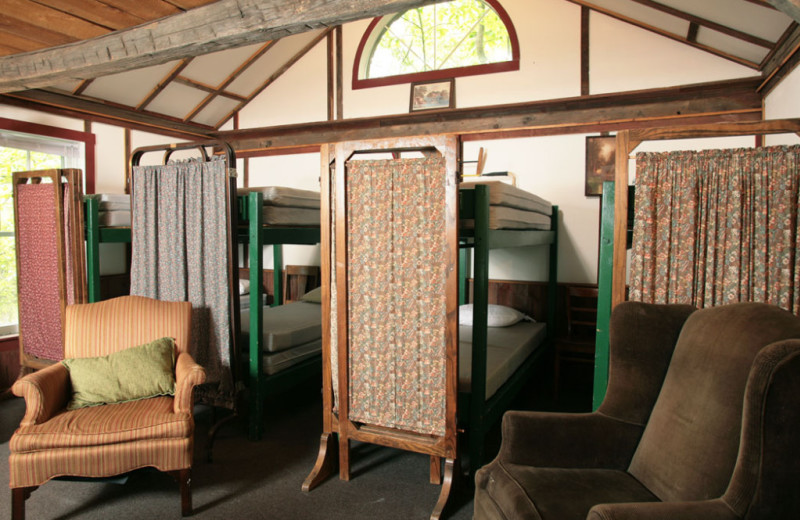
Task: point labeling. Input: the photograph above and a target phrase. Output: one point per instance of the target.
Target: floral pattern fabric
(396, 293)
(717, 226)
(180, 253)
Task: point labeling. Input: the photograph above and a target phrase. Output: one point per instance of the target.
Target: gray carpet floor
(253, 480)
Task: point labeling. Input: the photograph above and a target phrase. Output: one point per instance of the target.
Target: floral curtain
(717, 226)
(180, 253)
(397, 252)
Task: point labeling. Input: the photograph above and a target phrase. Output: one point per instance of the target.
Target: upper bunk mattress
(501, 217)
(286, 326)
(506, 195)
(116, 218)
(283, 196)
(507, 349)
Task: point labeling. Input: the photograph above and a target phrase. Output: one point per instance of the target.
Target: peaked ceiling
(195, 94)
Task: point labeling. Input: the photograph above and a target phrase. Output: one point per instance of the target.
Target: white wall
(784, 102)
(622, 58)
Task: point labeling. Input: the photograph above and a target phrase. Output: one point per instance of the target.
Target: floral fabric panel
(40, 325)
(396, 293)
(717, 226)
(180, 253)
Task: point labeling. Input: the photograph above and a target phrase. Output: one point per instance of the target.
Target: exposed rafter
(275, 75)
(105, 112)
(683, 39)
(214, 27)
(783, 60)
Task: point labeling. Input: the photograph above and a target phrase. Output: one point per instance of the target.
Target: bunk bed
(481, 210)
(255, 234)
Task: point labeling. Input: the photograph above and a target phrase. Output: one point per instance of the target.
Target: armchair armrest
(46, 393)
(568, 440)
(715, 509)
(188, 374)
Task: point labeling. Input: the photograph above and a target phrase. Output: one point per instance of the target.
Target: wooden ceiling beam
(790, 7)
(214, 27)
(106, 111)
(720, 99)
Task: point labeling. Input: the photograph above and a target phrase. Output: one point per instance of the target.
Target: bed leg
(326, 462)
(450, 473)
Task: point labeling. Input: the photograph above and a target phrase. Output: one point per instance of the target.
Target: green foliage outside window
(12, 160)
(459, 33)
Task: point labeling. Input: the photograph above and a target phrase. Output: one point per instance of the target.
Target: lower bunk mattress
(292, 333)
(507, 349)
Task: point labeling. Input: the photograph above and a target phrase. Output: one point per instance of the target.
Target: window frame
(373, 31)
(88, 139)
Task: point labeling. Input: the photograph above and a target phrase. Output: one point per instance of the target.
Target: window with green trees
(15, 159)
(447, 39)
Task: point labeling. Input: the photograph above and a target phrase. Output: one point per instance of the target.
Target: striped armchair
(108, 440)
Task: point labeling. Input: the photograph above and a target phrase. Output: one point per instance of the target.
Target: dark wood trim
(754, 114)
(330, 57)
(456, 72)
(339, 73)
(585, 62)
(88, 140)
(282, 151)
(634, 107)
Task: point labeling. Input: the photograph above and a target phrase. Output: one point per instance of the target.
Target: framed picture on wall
(601, 153)
(431, 95)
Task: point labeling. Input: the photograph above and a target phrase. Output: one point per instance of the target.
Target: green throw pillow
(128, 375)
(313, 296)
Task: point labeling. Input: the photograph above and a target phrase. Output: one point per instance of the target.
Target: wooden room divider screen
(390, 291)
(51, 262)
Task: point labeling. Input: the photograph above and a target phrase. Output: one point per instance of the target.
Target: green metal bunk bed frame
(475, 412)
(251, 231)
(256, 235)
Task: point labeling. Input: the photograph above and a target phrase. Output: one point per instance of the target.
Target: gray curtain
(180, 253)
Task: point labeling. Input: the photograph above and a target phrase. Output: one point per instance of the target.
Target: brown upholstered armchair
(700, 421)
(112, 439)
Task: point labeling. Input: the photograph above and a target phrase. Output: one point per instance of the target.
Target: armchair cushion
(127, 375)
(149, 419)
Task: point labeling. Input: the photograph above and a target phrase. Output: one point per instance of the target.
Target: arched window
(437, 41)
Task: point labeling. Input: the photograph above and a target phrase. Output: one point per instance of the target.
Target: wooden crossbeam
(214, 27)
(635, 107)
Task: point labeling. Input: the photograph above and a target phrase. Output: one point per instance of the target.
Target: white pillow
(498, 315)
(244, 286)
